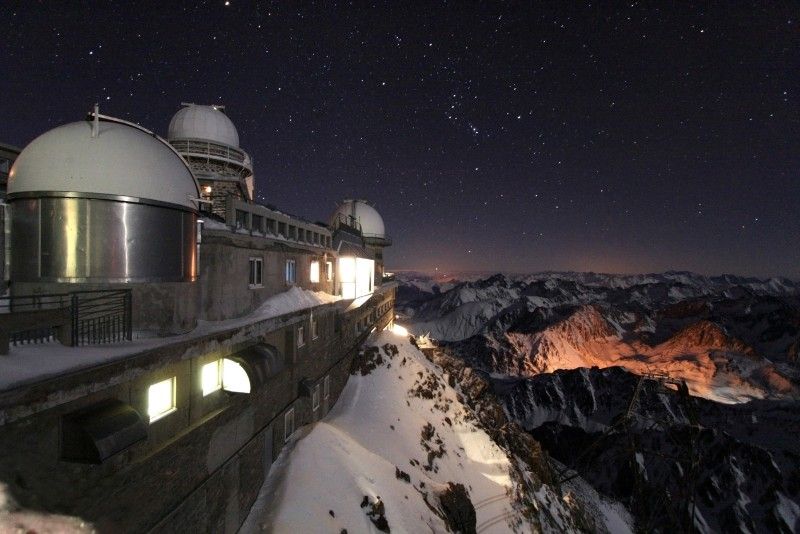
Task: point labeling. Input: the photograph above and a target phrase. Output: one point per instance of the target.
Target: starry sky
(519, 137)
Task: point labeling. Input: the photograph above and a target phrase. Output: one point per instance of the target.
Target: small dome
(208, 123)
(371, 221)
(122, 160)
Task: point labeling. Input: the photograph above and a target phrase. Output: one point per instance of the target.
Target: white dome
(203, 122)
(371, 221)
(122, 160)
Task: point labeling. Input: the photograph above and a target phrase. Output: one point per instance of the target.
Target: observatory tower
(359, 214)
(209, 142)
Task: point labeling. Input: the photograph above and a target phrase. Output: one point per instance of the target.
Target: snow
(353, 452)
(26, 363)
(17, 520)
(788, 511)
(616, 518)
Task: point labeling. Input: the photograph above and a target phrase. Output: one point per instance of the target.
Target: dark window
(241, 219)
(258, 223)
(256, 272)
(291, 271)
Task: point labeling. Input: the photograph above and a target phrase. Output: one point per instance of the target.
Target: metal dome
(370, 220)
(208, 123)
(118, 159)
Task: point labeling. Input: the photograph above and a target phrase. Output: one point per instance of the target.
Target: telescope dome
(207, 123)
(369, 218)
(119, 159)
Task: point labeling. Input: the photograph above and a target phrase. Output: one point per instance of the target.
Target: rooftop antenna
(96, 120)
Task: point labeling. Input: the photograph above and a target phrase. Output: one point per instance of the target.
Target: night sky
(490, 137)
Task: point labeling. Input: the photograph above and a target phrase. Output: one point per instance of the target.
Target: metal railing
(101, 317)
(77, 318)
(347, 221)
(207, 148)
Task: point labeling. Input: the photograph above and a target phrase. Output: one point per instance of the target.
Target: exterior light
(211, 376)
(207, 189)
(234, 377)
(161, 399)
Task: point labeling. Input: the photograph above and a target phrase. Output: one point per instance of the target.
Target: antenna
(96, 120)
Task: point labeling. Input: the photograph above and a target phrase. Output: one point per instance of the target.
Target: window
(241, 219)
(301, 234)
(314, 330)
(256, 272)
(272, 226)
(282, 229)
(315, 398)
(211, 377)
(329, 270)
(288, 424)
(314, 272)
(161, 399)
(292, 232)
(258, 222)
(301, 340)
(291, 271)
(326, 386)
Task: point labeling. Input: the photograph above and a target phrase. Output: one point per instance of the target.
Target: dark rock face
(458, 510)
(677, 461)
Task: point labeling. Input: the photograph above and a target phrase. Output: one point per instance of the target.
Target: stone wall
(201, 467)
(225, 266)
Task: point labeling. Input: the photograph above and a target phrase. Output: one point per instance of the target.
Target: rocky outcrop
(457, 508)
(738, 466)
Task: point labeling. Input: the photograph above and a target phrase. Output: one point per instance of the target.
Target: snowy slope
(14, 519)
(400, 420)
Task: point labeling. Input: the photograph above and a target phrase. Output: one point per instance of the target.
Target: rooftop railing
(74, 319)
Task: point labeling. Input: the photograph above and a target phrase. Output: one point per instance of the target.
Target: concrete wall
(201, 467)
(225, 267)
(165, 308)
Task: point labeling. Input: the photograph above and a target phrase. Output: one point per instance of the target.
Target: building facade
(163, 343)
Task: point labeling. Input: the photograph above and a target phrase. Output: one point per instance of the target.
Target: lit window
(315, 398)
(256, 273)
(211, 377)
(329, 270)
(347, 277)
(291, 271)
(314, 272)
(161, 399)
(301, 336)
(314, 332)
(234, 377)
(326, 386)
(288, 424)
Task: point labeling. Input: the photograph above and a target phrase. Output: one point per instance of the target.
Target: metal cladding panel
(24, 238)
(98, 240)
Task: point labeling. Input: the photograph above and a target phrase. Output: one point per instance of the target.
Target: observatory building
(209, 142)
(361, 216)
(86, 201)
(163, 334)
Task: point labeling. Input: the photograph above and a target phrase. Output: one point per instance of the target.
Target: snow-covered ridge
(731, 338)
(399, 440)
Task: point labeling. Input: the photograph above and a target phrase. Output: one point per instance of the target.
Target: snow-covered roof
(119, 159)
(208, 123)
